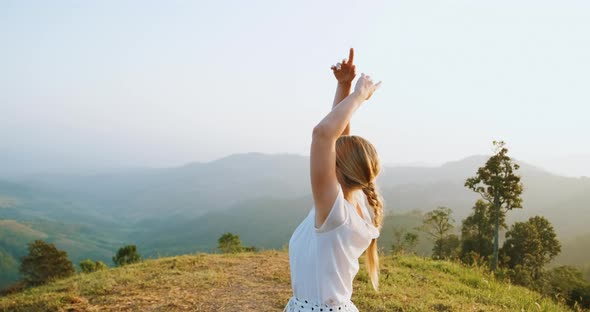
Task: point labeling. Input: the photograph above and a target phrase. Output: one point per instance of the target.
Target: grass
(260, 281)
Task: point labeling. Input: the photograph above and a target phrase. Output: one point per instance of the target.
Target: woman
(325, 247)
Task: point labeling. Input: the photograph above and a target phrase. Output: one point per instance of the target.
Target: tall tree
(438, 223)
(531, 245)
(44, 263)
(498, 184)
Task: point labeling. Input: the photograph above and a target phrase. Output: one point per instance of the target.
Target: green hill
(261, 282)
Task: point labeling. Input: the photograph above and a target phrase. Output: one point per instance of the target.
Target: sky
(164, 83)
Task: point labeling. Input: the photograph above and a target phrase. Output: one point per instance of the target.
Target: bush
(569, 283)
(126, 255)
(522, 275)
(89, 266)
(45, 263)
(230, 243)
(99, 265)
(581, 295)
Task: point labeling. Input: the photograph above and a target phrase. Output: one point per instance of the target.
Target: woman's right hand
(365, 86)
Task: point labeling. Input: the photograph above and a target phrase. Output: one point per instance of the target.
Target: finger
(378, 85)
(333, 67)
(351, 56)
(344, 61)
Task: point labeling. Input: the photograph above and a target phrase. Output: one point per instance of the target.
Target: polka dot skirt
(302, 305)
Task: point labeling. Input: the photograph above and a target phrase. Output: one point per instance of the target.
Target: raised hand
(365, 86)
(345, 71)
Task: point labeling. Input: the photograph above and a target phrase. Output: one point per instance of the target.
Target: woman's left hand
(345, 71)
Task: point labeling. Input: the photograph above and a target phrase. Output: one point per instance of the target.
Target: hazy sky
(146, 83)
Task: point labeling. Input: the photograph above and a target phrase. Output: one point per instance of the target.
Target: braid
(372, 255)
(375, 203)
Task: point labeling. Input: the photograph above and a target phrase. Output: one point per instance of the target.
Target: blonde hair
(357, 166)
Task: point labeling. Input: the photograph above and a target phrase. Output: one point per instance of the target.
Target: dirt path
(244, 282)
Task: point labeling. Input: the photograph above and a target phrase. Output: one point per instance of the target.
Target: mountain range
(260, 197)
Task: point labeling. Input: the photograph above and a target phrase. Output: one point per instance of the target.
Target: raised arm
(344, 73)
(324, 184)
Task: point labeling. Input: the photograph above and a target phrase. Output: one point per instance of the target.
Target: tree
(498, 185)
(44, 263)
(477, 233)
(530, 245)
(89, 266)
(438, 223)
(403, 241)
(450, 247)
(230, 243)
(569, 283)
(126, 255)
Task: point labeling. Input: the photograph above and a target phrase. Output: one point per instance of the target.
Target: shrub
(581, 295)
(230, 243)
(89, 266)
(45, 263)
(126, 255)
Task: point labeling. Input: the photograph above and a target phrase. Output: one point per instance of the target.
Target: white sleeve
(337, 215)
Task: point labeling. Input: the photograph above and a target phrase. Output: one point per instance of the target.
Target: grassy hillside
(261, 282)
(79, 240)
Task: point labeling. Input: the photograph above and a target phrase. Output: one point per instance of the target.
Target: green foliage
(581, 296)
(126, 255)
(230, 243)
(566, 283)
(496, 180)
(404, 241)
(448, 247)
(529, 246)
(89, 266)
(477, 233)
(438, 223)
(500, 187)
(99, 265)
(45, 263)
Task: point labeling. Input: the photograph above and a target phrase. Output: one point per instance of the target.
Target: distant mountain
(258, 196)
(193, 190)
(405, 189)
(556, 197)
(190, 190)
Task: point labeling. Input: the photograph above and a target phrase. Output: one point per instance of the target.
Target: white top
(324, 261)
